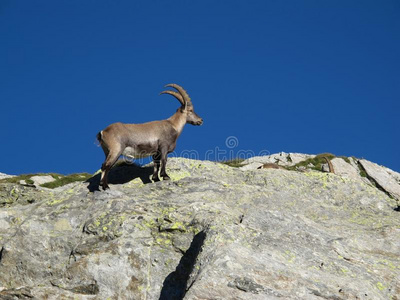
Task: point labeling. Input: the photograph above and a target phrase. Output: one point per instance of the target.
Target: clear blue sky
(294, 76)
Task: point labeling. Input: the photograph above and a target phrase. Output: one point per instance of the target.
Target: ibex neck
(178, 121)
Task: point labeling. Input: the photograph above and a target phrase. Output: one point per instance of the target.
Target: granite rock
(385, 178)
(211, 232)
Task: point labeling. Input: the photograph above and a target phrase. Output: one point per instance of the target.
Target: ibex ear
(184, 106)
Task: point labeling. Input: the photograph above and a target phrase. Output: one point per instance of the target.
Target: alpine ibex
(156, 139)
(271, 166)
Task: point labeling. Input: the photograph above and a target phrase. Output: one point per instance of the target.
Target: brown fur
(156, 138)
(271, 166)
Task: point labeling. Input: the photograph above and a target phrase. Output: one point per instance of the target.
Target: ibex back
(156, 139)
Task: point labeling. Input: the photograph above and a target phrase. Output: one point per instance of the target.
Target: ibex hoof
(105, 187)
(155, 179)
(166, 178)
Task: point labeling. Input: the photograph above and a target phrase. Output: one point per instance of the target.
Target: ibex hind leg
(106, 167)
(106, 153)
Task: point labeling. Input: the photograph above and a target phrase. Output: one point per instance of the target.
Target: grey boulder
(211, 232)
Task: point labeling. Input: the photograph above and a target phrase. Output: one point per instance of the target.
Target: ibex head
(187, 106)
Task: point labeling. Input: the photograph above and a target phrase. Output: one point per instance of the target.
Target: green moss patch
(314, 163)
(345, 158)
(235, 163)
(17, 179)
(60, 179)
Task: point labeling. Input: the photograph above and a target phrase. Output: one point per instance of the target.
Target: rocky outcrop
(39, 180)
(349, 167)
(281, 158)
(3, 176)
(212, 232)
(382, 177)
(344, 169)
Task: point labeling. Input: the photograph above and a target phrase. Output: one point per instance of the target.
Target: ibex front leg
(156, 162)
(163, 172)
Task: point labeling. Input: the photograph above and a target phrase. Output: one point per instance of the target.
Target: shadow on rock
(175, 285)
(120, 174)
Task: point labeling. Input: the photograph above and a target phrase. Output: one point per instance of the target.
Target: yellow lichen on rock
(62, 225)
